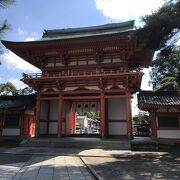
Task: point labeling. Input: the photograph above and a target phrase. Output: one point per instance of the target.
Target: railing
(72, 74)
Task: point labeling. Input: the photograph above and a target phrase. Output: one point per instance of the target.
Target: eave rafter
(98, 46)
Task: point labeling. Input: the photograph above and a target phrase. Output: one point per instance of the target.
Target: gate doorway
(84, 119)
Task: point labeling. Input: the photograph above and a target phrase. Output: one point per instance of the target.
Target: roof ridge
(126, 24)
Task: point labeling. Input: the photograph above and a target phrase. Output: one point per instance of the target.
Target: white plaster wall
(116, 60)
(106, 61)
(78, 109)
(117, 128)
(120, 86)
(70, 88)
(64, 109)
(53, 127)
(92, 87)
(11, 132)
(94, 107)
(86, 108)
(53, 115)
(82, 62)
(44, 110)
(82, 120)
(117, 109)
(42, 128)
(63, 126)
(68, 118)
(92, 62)
(175, 134)
(29, 112)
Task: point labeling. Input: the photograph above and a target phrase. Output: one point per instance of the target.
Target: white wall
(11, 132)
(43, 128)
(68, 118)
(117, 128)
(29, 112)
(170, 134)
(53, 127)
(44, 110)
(53, 115)
(117, 109)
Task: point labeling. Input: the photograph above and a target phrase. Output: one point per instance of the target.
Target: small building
(17, 115)
(87, 125)
(164, 109)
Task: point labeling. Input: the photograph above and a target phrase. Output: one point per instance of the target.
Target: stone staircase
(77, 142)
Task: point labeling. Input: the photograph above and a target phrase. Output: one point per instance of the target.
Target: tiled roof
(11, 102)
(149, 99)
(105, 29)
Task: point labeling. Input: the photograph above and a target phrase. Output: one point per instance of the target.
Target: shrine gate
(99, 66)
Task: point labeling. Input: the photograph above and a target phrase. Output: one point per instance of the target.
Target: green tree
(142, 118)
(25, 91)
(6, 3)
(165, 72)
(92, 115)
(8, 89)
(4, 26)
(161, 28)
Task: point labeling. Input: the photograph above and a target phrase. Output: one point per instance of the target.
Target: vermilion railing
(71, 73)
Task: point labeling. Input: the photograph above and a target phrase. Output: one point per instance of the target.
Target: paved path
(63, 163)
(20, 167)
(136, 166)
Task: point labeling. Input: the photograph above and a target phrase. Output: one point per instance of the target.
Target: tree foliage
(4, 26)
(142, 118)
(6, 3)
(165, 72)
(25, 91)
(161, 28)
(92, 115)
(8, 88)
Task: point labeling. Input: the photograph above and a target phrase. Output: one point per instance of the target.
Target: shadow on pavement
(138, 165)
(12, 159)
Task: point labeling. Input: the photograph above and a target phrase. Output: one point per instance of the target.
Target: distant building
(164, 109)
(90, 67)
(87, 125)
(17, 115)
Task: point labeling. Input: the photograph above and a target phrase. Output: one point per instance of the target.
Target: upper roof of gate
(105, 29)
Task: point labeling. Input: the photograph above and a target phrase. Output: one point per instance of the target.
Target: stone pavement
(65, 163)
(136, 165)
(43, 168)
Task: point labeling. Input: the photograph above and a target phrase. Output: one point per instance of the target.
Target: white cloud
(13, 61)
(127, 9)
(144, 86)
(145, 80)
(20, 31)
(30, 39)
(134, 105)
(17, 83)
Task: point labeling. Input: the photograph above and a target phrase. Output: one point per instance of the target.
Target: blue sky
(28, 19)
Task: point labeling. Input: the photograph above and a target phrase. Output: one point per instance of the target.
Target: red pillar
(38, 108)
(102, 113)
(128, 115)
(59, 115)
(153, 125)
(74, 122)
